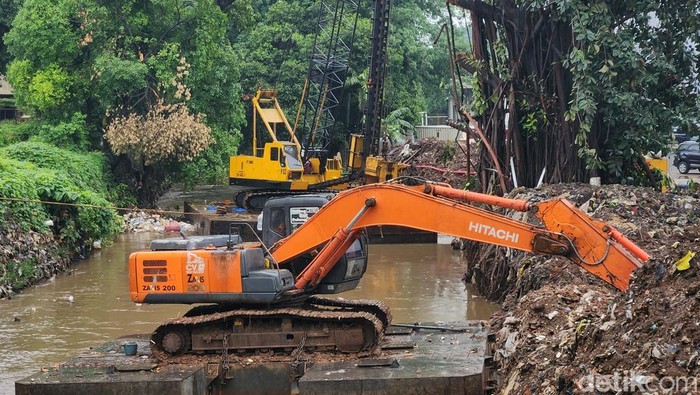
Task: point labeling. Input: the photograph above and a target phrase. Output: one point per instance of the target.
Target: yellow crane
(276, 167)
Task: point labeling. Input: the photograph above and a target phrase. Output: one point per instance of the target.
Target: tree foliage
(166, 132)
(39, 171)
(588, 86)
(8, 10)
(107, 59)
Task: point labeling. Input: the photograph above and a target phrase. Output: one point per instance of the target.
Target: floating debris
(140, 221)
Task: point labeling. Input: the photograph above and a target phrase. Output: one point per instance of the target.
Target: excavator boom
(567, 231)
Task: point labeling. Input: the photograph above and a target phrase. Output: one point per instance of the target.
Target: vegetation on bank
(39, 235)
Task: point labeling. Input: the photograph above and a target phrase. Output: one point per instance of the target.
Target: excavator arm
(566, 231)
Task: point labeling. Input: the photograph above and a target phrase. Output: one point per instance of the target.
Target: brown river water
(40, 327)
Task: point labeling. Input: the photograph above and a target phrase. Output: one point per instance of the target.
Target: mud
(564, 331)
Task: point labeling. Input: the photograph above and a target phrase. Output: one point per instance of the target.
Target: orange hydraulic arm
(567, 231)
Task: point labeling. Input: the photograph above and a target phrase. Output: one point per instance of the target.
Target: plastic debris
(684, 263)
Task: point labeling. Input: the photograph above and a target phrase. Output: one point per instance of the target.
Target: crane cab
(279, 167)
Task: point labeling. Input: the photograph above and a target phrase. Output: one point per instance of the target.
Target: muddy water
(41, 327)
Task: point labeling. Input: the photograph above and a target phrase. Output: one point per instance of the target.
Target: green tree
(112, 59)
(8, 10)
(396, 126)
(276, 51)
(588, 86)
(276, 55)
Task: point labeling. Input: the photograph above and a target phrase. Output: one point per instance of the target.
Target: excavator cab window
(278, 222)
(275, 154)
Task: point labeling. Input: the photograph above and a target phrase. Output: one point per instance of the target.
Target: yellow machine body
(278, 164)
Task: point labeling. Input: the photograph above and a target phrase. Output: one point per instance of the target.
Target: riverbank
(563, 331)
(29, 257)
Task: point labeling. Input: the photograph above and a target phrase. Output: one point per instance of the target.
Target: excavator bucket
(598, 247)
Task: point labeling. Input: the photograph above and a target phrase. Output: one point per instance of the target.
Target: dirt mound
(564, 331)
(437, 160)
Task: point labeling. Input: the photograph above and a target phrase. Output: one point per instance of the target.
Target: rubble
(564, 331)
(436, 160)
(141, 221)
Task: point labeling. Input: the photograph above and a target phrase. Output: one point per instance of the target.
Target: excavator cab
(284, 215)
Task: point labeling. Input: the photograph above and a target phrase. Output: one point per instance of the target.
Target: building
(434, 125)
(8, 110)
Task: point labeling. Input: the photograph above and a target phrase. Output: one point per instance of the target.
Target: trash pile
(27, 257)
(141, 221)
(562, 330)
(436, 160)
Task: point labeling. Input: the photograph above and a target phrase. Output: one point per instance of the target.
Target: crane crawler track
(323, 325)
(254, 200)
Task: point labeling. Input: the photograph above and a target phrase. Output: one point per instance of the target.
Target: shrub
(86, 170)
(70, 135)
(51, 174)
(16, 181)
(13, 132)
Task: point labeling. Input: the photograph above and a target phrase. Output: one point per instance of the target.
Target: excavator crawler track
(375, 307)
(321, 325)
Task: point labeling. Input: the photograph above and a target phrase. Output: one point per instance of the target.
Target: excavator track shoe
(322, 324)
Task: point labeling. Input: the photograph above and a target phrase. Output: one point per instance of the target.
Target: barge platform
(429, 358)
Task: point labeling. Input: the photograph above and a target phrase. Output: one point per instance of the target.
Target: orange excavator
(268, 298)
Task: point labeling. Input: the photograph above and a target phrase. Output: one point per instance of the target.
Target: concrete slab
(441, 361)
(107, 370)
(447, 358)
